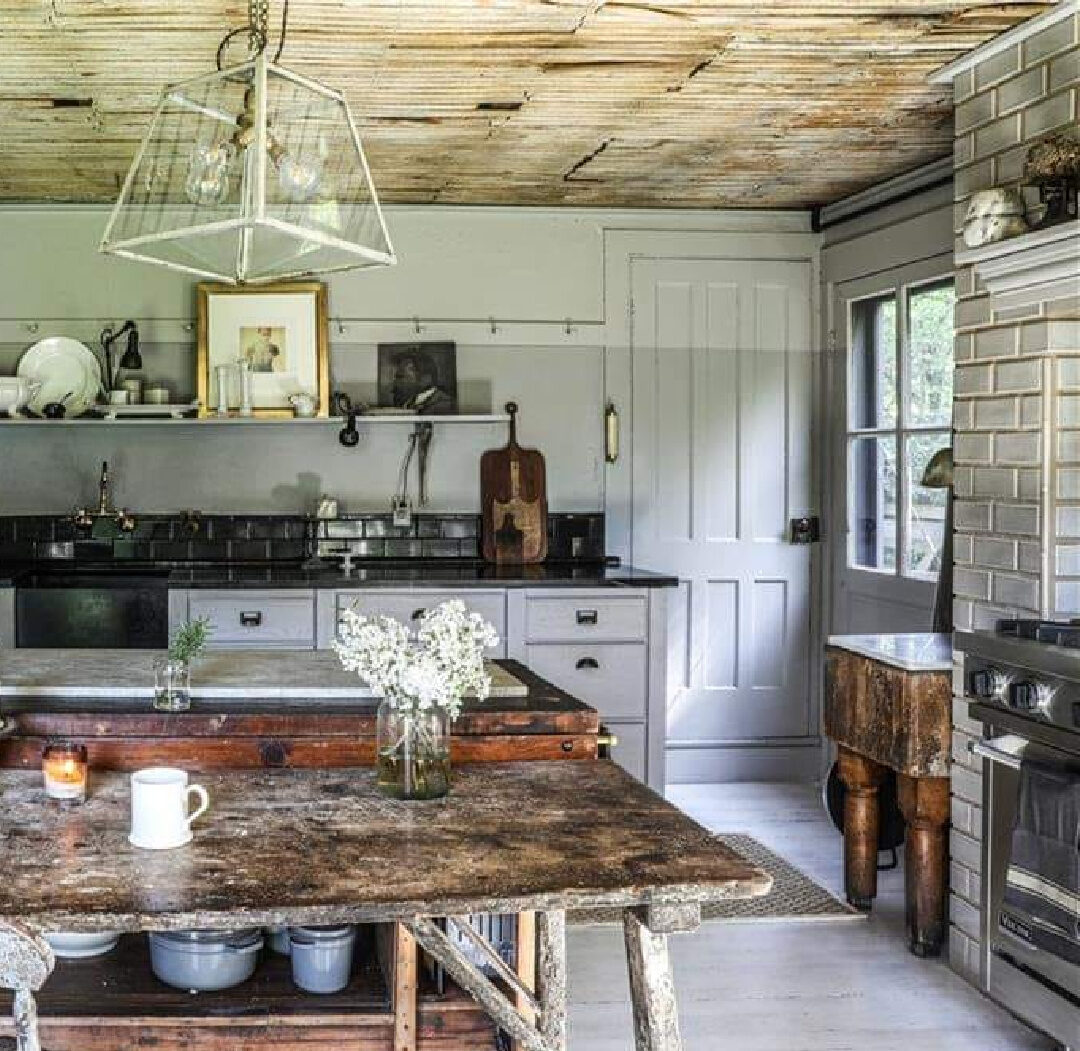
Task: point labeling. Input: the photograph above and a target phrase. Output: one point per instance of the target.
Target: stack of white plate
(67, 372)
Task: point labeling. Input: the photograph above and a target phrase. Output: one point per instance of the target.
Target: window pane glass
(930, 360)
(925, 525)
(872, 390)
(872, 494)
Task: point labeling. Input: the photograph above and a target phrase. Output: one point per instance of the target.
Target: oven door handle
(1006, 750)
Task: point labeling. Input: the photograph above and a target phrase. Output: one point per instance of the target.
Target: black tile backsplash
(279, 538)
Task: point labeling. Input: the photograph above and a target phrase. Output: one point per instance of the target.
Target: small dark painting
(421, 376)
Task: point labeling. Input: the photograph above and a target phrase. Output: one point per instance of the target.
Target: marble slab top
(325, 846)
(912, 651)
(239, 674)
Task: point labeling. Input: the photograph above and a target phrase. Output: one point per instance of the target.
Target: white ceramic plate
(65, 368)
(82, 946)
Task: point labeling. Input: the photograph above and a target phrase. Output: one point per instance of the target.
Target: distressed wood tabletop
(323, 846)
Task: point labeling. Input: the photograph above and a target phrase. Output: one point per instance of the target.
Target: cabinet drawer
(611, 677)
(406, 606)
(256, 618)
(629, 752)
(585, 619)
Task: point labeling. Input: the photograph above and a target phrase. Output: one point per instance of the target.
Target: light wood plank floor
(791, 987)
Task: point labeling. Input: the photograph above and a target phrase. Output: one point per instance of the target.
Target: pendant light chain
(259, 24)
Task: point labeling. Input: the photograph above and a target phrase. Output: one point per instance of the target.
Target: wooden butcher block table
(324, 847)
(888, 706)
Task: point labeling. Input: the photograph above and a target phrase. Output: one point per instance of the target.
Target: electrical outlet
(402, 512)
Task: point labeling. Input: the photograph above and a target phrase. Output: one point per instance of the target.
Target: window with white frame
(899, 413)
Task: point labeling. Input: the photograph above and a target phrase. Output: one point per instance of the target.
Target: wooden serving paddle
(513, 496)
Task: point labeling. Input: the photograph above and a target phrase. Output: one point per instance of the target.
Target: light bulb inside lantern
(207, 180)
(299, 180)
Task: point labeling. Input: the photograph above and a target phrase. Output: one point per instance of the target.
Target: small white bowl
(82, 946)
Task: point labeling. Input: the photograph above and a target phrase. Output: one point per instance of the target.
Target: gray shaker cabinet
(606, 645)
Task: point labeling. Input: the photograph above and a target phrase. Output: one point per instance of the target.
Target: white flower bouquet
(422, 679)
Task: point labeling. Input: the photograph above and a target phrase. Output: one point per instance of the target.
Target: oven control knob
(989, 683)
(1030, 696)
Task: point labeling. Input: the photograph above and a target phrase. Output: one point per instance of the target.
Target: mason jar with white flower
(422, 679)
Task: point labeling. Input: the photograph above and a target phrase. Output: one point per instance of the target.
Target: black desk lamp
(131, 358)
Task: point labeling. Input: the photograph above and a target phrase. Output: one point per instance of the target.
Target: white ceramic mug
(160, 819)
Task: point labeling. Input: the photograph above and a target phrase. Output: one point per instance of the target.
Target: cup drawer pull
(251, 618)
(588, 616)
(587, 662)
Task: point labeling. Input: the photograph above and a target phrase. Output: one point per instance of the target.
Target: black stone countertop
(458, 573)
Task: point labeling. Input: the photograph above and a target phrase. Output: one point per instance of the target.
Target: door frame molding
(895, 590)
(621, 249)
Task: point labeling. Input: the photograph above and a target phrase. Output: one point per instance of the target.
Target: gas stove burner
(1056, 632)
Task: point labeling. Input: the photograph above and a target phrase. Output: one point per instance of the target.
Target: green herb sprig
(190, 640)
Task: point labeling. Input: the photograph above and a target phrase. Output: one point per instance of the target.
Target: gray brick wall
(1016, 419)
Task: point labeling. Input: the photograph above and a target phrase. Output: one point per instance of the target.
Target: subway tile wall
(1016, 420)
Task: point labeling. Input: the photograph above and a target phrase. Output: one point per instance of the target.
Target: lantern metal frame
(252, 196)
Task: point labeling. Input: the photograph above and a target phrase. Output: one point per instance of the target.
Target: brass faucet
(84, 519)
(103, 492)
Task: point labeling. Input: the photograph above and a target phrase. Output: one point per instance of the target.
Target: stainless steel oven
(1039, 986)
(1024, 684)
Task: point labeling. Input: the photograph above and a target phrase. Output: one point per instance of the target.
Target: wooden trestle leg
(652, 985)
(862, 777)
(925, 805)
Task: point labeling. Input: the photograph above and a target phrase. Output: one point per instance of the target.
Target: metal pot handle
(243, 950)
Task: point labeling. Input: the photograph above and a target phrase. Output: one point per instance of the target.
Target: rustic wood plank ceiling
(661, 103)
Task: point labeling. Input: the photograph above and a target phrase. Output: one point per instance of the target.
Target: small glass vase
(413, 760)
(172, 686)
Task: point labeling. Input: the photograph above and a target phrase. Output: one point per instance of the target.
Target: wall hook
(569, 327)
(491, 324)
(416, 326)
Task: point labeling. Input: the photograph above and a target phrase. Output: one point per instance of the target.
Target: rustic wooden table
(323, 846)
(888, 707)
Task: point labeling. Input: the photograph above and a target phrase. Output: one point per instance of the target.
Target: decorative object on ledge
(419, 377)
(64, 767)
(422, 679)
(276, 334)
(1053, 165)
(172, 676)
(250, 174)
(994, 215)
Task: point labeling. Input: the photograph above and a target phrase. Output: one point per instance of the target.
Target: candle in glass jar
(64, 767)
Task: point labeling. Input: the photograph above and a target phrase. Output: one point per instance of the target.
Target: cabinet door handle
(587, 662)
(418, 613)
(587, 616)
(251, 618)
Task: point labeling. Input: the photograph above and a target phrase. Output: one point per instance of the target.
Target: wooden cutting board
(513, 496)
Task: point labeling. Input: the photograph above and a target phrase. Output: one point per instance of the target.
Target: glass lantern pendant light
(250, 174)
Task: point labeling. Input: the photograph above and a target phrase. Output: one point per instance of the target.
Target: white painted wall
(538, 274)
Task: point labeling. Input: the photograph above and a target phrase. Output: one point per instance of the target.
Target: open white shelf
(252, 421)
(1036, 266)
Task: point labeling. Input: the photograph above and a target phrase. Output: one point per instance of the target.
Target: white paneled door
(723, 378)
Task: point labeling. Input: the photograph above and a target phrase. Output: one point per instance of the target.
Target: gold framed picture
(279, 331)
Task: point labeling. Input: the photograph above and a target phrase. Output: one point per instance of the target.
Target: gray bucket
(278, 940)
(322, 957)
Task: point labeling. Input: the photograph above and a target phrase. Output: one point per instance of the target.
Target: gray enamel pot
(205, 961)
(322, 957)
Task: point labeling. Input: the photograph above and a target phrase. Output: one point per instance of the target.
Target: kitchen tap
(103, 491)
(85, 519)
